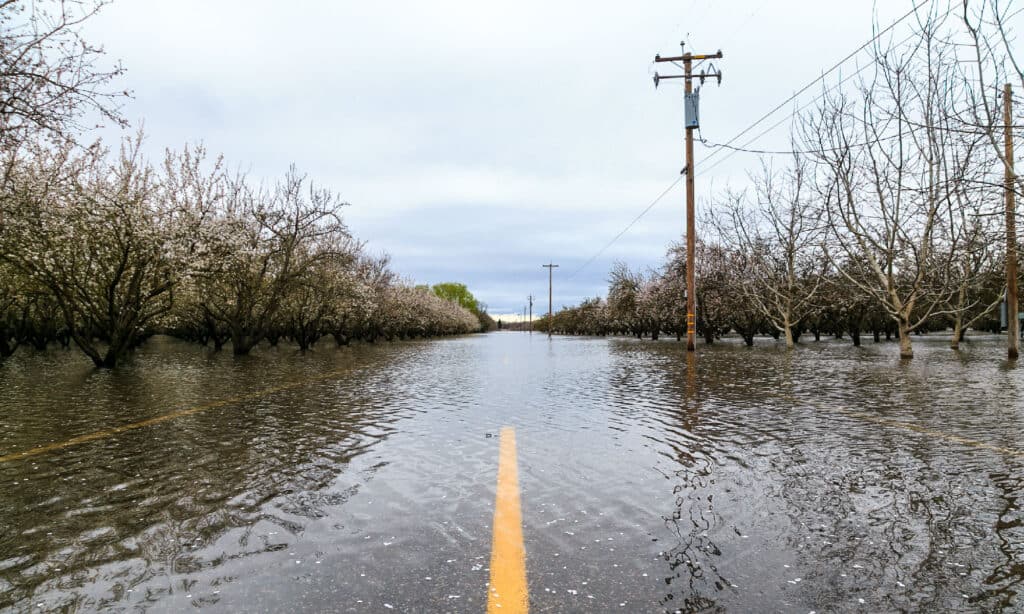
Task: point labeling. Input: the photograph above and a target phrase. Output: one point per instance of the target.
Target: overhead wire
(761, 119)
(846, 147)
(804, 105)
(744, 146)
(628, 226)
(832, 69)
(783, 120)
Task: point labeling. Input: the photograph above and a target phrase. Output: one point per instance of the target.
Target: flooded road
(363, 479)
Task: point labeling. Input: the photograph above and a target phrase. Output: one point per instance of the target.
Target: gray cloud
(475, 140)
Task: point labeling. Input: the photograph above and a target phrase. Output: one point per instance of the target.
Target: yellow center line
(74, 441)
(507, 591)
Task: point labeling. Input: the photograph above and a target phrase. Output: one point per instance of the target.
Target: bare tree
(713, 285)
(996, 61)
(888, 177)
(780, 232)
(978, 249)
(671, 291)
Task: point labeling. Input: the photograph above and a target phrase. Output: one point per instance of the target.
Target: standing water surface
(830, 478)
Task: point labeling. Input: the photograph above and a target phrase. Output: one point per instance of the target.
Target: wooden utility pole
(531, 313)
(1012, 323)
(551, 269)
(692, 122)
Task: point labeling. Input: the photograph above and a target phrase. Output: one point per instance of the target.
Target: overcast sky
(478, 140)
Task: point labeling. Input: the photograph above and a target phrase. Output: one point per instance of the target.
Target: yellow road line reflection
(74, 441)
(507, 591)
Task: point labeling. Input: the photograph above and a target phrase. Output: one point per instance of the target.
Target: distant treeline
(102, 251)
(516, 325)
(649, 304)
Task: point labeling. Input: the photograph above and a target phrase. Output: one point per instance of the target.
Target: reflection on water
(749, 479)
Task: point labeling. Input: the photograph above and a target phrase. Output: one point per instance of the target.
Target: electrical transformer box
(692, 106)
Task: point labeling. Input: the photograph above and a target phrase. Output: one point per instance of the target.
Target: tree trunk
(84, 341)
(906, 348)
(242, 344)
(6, 348)
(789, 336)
(211, 331)
(109, 360)
(877, 335)
(958, 324)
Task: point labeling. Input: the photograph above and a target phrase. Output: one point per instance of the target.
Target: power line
(849, 146)
(761, 119)
(891, 137)
(780, 122)
(829, 71)
(628, 226)
(786, 152)
(809, 102)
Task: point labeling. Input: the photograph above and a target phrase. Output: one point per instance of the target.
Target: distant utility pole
(1012, 323)
(551, 269)
(531, 313)
(692, 108)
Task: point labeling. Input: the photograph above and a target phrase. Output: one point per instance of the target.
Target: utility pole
(1012, 323)
(531, 313)
(551, 269)
(691, 105)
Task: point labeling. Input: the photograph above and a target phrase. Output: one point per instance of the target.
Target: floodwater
(362, 479)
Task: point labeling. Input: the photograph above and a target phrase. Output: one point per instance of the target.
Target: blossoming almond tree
(96, 234)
